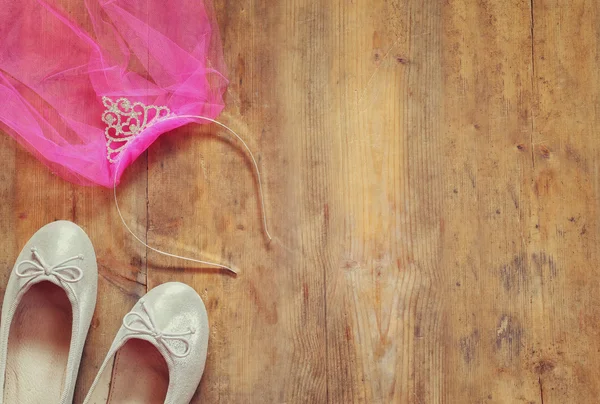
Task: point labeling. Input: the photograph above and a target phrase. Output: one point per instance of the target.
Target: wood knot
(401, 59)
(544, 366)
(544, 151)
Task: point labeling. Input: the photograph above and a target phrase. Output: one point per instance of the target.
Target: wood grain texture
(431, 179)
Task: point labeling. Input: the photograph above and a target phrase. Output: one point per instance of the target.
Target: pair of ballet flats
(157, 356)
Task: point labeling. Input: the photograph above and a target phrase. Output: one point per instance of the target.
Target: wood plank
(487, 267)
(121, 261)
(32, 196)
(267, 324)
(565, 200)
(383, 281)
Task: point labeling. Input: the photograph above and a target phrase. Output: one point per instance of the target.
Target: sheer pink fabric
(54, 75)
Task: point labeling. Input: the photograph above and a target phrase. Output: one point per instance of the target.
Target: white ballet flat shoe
(159, 352)
(46, 314)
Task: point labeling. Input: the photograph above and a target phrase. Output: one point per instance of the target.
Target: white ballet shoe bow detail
(33, 269)
(137, 324)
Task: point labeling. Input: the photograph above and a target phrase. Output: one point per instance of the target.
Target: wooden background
(432, 179)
